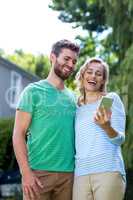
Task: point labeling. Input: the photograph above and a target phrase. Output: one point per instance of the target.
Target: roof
(10, 65)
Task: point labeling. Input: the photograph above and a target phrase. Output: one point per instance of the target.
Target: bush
(7, 157)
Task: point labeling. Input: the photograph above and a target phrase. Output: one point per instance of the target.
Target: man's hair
(64, 44)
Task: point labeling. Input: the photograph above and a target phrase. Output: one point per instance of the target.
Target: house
(13, 79)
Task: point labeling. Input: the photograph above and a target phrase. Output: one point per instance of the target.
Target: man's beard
(58, 69)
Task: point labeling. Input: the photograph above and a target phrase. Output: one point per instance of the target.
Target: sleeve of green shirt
(25, 102)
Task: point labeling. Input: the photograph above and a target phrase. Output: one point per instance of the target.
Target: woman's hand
(102, 117)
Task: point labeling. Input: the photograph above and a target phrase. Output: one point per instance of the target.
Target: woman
(99, 170)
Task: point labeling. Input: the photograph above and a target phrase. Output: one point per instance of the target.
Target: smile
(92, 82)
(67, 70)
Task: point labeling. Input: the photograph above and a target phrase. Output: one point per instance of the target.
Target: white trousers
(99, 186)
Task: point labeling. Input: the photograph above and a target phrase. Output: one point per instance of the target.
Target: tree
(42, 66)
(87, 14)
(90, 15)
(119, 15)
(7, 157)
(122, 34)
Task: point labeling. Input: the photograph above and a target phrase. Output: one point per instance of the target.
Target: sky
(32, 26)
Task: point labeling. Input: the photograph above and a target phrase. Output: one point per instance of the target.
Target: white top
(95, 151)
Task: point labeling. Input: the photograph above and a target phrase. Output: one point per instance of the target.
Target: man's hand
(31, 185)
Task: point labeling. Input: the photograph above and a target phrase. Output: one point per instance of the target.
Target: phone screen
(106, 102)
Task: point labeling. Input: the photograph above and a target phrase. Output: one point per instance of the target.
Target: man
(45, 118)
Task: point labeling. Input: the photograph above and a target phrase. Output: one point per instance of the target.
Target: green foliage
(42, 66)
(88, 46)
(7, 158)
(97, 15)
(87, 14)
(90, 15)
(119, 15)
(25, 60)
(127, 81)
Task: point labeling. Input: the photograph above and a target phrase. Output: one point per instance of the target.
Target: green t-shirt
(50, 139)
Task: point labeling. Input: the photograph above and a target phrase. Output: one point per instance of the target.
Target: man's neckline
(53, 86)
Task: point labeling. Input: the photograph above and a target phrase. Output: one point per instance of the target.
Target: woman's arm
(113, 122)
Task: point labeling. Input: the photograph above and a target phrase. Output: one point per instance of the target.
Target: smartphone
(106, 102)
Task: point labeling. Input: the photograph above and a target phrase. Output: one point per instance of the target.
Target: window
(15, 89)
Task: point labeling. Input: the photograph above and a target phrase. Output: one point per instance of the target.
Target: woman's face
(93, 77)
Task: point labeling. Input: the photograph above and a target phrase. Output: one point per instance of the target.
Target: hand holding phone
(103, 113)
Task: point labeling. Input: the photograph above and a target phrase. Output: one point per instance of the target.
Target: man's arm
(22, 122)
(30, 183)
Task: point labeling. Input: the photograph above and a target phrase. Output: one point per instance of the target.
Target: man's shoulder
(36, 85)
(72, 94)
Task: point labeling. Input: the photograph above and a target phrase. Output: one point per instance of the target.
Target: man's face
(65, 63)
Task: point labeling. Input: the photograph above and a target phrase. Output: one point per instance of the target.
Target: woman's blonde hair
(80, 76)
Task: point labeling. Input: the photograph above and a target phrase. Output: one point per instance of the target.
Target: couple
(44, 141)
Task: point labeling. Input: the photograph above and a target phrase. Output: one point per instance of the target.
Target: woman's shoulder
(113, 95)
(117, 101)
